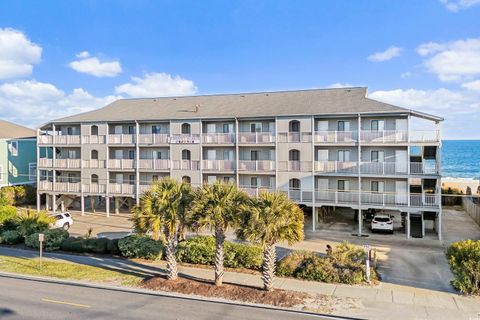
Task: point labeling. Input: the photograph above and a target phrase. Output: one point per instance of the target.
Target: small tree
(30, 221)
(270, 219)
(217, 206)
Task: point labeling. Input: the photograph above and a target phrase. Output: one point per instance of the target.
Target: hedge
(142, 247)
(7, 213)
(17, 195)
(346, 264)
(464, 260)
(10, 237)
(201, 250)
(52, 242)
(90, 245)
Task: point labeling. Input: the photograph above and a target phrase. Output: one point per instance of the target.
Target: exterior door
(401, 162)
(322, 190)
(211, 128)
(322, 155)
(211, 154)
(119, 178)
(401, 192)
(401, 127)
(118, 130)
(118, 154)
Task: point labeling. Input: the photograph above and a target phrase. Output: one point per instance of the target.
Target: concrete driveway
(115, 226)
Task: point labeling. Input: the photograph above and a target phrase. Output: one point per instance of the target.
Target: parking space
(115, 226)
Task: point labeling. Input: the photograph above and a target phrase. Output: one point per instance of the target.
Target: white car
(382, 223)
(63, 220)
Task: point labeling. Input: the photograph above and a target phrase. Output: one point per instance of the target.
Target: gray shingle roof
(10, 130)
(300, 102)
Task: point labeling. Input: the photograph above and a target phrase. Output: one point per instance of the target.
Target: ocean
(461, 159)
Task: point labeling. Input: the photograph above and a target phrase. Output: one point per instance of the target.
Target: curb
(165, 294)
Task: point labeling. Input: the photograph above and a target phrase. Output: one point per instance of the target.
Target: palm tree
(270, 219)
(160, 208)
(217, 206)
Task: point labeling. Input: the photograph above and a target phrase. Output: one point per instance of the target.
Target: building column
(408, 224)
(54, 203)
(107, 206)
(314, 218)
(117, 209)
(360, 222)
(92, 204)
(439, 231)
(82, 204)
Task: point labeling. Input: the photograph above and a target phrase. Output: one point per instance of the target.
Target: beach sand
(461, 184)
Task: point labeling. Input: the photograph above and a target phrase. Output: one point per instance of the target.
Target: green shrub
(112, 247)
(292, 263)
(7, 213)
(201, 250)
(97, 245)
(17, 195)
(73, 244)
(90, 245)
(142, 247)
(52, 242)
(464, 260)
(29, 221)
(10, 237)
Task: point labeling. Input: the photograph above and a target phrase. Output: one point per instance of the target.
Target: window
(186, 155)
(186, 179)
(185, 128)
(131, 154)
(294, 183)
(226, 179)
(71, 177)
(343, 125)
(377, 156)
(155, 129)
(155, 177)
(343, 155)
(131, 130)
(377, 186)
(32, 171)
(254, 155)
(94, 130)
(343, 185)
(14, 148)
(227, 155)
(131, 179)
(254, 182)
(294, 126)
(226, 128)
(294, 155)
(94, 155)
(377, 125)
(256, 127)
(69, 131)
(94, 178)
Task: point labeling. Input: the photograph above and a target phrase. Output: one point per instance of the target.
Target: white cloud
(461, 109)
(456, 5)
(93, 66)
(452, 61)
(386, 55)
(472, 85)
(17, 54)
(341, 85)
(406, 75)
(157, 85)
(32, 103)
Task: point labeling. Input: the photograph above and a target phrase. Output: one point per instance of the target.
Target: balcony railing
(425, 136)
(303, 166)
(336, 136)
(383, 136)
(45, 163)
(255, 191)
(67, 163)
(45, 186)
(94, 164)
(92, 139)
(336, 167)
(218, 138)
(294, 137)
(121, 138)
(383, 168)
(228, 165)
(121, 188)
(67, 139)
(184, 138)
(256, 165)
(154, 164)
(256, 137)
(67, 186)
(94, 188)
(153, 138)
(121, 164)
(45, 139)
(423, 168)
(186, 165)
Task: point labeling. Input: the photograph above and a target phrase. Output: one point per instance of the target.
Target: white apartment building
(323, 147)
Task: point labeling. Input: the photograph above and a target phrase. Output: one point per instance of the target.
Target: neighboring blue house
(18, 157)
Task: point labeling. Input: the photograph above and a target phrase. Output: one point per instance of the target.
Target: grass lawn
(66, 270)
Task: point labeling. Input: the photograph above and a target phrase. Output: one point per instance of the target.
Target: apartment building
(323, 147)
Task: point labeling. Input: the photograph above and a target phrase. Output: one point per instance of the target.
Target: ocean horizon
(461, 159)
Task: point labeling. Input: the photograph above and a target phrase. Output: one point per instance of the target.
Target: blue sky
(61, 57)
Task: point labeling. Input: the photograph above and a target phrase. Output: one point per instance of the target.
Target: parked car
(382, 223)
(63, 220)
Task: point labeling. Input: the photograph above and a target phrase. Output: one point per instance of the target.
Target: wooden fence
(472, 208)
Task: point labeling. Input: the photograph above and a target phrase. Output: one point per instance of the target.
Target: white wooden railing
(45, 163)
(295, 166)
(154, 164)
(256, 137)
(94, 188)
(256, 165)
(335, 136)
(67, 163)
(67, 139)
(218, 138)
(94, 164)
(121, 138)
(45, 139)
(184, 138)
(121, 163)
(218, 165)
(186, 165)
(153, 138)
(336, 167)
(255, 191)
(294, 137)
(92, 139)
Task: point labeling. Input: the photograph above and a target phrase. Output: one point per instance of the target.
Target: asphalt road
(31, 299)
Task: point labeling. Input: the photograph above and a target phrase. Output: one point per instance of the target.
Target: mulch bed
(278, 298)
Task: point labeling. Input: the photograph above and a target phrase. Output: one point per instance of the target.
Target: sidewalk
(385, 301)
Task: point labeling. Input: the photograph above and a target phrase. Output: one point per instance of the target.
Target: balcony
(59, 186)
(255, 191)
(384, 136)
(94, 188)
(425, 136)
(121, 139)
(336, 167)
(67, 139)
(45, 163)
(94, 164)
(154, 164)
(295, 166)
(143, 187)
(45, 185)
(423, 168)
(256, 165)
(121, 164)
(335, 137)
(186, 165)
(256, 137)
(154, 138)
(218, 165)
(226, 138)
(67, 163)
(89, 139)
(121, 189)
(184, 138)
(45, 139)
(295, 137)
